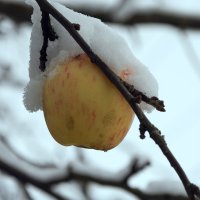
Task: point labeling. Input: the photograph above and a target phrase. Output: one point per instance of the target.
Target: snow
(111, 47)
(99, 192)
(166, 187)
(33, 94)
(10, 189)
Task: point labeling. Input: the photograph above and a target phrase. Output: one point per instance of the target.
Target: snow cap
(104, 41)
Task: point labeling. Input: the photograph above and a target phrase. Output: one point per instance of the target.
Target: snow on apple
(104, 41)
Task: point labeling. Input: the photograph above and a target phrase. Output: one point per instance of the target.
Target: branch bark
(21, 13)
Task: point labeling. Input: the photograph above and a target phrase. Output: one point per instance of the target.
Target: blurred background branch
(28, 173)
(21, 13)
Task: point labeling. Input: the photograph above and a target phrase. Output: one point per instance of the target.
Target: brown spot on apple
(68, 75)
(93, 115)
(52, 90)
(69, 122)
(108, 118)
(119, 120)
(112, 138)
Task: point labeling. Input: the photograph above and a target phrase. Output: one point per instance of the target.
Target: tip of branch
(158, 104)
(76, 26)
(139, 96)
(142, 130)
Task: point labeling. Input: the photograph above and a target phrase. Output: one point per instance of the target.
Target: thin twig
(134, 168)
(48, 34)
(155, 134)
(19, 156)
(153, 101)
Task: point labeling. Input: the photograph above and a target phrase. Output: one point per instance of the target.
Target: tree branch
(13, 164)
(21, 13)
(139, 96)
(27, 179)
(73, 174)
(78, 176)
(4, 141)
(146, 125)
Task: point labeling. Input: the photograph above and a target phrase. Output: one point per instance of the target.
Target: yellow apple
(83, 108)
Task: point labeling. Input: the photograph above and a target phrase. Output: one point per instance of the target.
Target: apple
(83, 108)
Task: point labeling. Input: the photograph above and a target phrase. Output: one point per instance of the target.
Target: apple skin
(83, 108)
